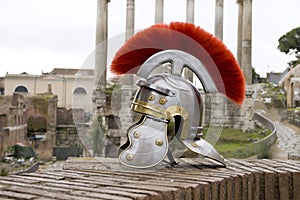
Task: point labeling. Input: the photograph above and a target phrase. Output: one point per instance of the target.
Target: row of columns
(244, 36)
(243, 42)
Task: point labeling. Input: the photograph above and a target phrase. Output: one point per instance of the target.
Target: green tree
(290, 44)
(256, 77)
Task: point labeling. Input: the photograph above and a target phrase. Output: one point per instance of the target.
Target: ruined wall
(12, 121)
(71, 133)
(220, 111)
(5, 103)
(44, 105)
(17, 110)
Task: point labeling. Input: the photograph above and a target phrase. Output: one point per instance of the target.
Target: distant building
(275, 77)
(73, 87)
(291, 84)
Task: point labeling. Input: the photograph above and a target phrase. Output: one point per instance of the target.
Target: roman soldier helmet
(165, 97)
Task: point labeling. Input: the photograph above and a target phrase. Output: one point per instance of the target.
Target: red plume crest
(187, 37)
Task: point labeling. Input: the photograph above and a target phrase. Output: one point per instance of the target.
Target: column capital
(130, 2)
(104, 1)
(239, 1)
(219, 2)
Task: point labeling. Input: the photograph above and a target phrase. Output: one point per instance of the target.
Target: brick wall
(90, 178)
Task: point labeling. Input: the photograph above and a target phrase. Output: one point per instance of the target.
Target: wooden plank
(41, 187)
(39, 180)
(270, 186)
(39, 192)
(296, 185)
(54, 176)
(283, 185)
(99, 196)
(16, 195)
(19, 179)
(152, 194)
(100, 191)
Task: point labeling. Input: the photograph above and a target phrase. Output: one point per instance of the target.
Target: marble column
(190, 10)
(99, 94)
(159, 11)
(130, 26)
(127, 81)
(129, 19)
(219, 19)
(247, 41)
(101, 43)
(240, 32)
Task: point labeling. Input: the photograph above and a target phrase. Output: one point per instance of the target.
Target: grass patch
(234, 143)
(3, 172)
(230, 135)
(224, 147)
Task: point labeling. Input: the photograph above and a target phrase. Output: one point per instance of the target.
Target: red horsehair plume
(218, 60)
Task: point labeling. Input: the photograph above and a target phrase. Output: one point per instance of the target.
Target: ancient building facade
(73, 87)
(12, 122)
(291, 84)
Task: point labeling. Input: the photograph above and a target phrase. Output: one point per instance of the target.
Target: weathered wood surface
(88, 178)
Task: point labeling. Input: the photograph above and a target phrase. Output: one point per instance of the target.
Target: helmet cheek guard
(160, 99)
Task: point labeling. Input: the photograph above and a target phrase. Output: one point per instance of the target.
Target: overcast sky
(38, 35)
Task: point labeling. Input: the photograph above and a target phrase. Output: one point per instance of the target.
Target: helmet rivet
(194, 144)
(162, 100)
(159, 142)
(151, 97)
(136, 134)
(129, 157)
